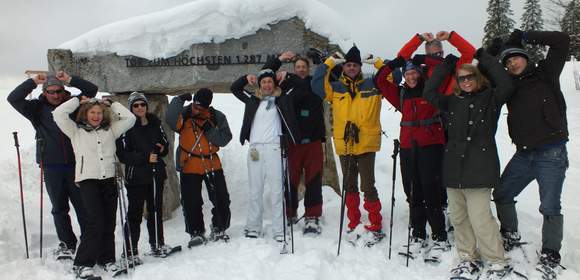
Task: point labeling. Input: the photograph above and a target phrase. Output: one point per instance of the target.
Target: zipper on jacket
(82, 163)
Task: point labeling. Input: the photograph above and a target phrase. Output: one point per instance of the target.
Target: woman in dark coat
(470, 161)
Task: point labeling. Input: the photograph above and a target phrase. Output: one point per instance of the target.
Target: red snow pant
(305, 158)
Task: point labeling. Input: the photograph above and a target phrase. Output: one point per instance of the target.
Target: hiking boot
(114, 269)
(467, 270)
(499, 271)
(197, 238)
(511, 239)
(548, 266)
(132, 260)
(63, 252)
(217, 235)
(437, 250)
(374, 237)
(83, 272)
(279, 238)
(416, 246)
(251, 233)
(311, 226)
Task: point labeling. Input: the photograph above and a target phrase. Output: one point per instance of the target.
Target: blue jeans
(548, 167)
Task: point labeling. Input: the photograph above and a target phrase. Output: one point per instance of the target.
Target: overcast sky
(30, 27)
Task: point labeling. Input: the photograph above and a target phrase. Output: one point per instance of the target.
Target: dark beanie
(203, 97)
(410, 66)
(266, 73)
(353, 55)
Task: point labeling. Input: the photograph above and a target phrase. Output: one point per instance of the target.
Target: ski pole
(21, 191)
(154, 173)
(286, 175)
(345, 181)
(396, 145)
(122, 217)
(41, 143)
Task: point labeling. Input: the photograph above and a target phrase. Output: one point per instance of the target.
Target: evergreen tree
(532, 20)
(570, 24)
(499, 23)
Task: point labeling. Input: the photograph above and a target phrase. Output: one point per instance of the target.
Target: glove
(207, 125)
(495, 47)
(478, 53)
(337, 58)
(418, 59)
(185, 97)
(316, 55)
(516, 38)
(397, 62)
(451, 60)
(370, 59)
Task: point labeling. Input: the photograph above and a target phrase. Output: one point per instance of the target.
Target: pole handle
(396, 147)
(16, 139)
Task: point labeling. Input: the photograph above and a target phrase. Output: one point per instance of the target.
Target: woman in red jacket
(422, 140)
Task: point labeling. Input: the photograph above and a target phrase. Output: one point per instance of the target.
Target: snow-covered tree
(532, 20)
(499, 23)
(570, 24)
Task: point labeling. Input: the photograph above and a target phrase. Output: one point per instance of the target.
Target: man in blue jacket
(54, 149)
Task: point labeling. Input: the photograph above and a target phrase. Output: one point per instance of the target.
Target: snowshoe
(499, 271)
(374, 237)
(417, 245)
(354, 234)
(164, 251)
(114, 269)
(63, 252)
(311, 226)
(435, 252)
(511, 239)
(197, 239)
(548, 267)
(251, 234)
(279, 238)
(85, 273)
(217, 235)
(133, 260)
(466, 270)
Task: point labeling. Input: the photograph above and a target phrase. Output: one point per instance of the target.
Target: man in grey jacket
(54, 149)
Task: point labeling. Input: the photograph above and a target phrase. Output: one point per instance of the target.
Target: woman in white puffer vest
(93, 134)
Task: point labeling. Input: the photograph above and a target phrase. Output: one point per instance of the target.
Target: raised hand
(442, 36)
(281, 75)
(286, 56)
(40, 78)
(63, 76)
(252, 79)
(428, 36)
(370, 59)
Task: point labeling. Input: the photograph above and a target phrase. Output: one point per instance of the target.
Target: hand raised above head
(252, 79)
(281, 75)
(428, 36)
(40, 78)
(442, 36)
(286, 56)
(63, 76)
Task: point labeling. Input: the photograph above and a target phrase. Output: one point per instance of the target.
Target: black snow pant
(137, 196)
(421, 172)
(60, 186)
(192, 201)
(98, 243)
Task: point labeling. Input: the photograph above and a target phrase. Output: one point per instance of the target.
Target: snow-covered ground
(314, 258)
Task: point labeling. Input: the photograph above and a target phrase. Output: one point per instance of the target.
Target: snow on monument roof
(166, 33)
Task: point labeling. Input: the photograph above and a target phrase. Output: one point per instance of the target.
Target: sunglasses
(52, 92)
(137, 105)
(464, 78)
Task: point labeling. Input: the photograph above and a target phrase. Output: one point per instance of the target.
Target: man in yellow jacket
(356, 106)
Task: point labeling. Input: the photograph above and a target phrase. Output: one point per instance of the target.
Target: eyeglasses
(137, 105)
(464, 78)
(52, 92)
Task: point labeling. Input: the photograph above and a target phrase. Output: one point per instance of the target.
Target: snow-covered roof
(166, 33)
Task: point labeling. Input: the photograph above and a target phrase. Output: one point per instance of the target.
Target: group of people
(449, 108)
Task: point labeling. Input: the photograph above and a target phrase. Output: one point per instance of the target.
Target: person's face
(516, 64)
(434, 50)
(412, 78)
(301, 69)
(55, 95)
(467, 81)
(267, 85)
(95, 115)
(139, 108)
(351, 69)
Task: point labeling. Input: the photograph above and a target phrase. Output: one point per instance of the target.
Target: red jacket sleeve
(410, 47)
(466, 50)
(388, 90)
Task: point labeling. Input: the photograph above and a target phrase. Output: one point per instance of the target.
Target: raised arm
(320, 83)
(499, 78)
(62, 119)
(218, 130)
(125, 122)
(388, 89)
(466, 50)
(430, 92)
(559, 46)
(238, 89)
(17, 98)
(173, 114)
(411, 46)
(87, 88)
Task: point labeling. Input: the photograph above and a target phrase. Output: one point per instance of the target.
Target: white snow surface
(314, 258)
(167, 33)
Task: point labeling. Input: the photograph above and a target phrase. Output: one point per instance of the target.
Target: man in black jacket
(307, 155)
(538, 127)
(54, 149)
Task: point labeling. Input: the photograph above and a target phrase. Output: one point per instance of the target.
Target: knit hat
(51, 80)
(410, 66)
(353, 55)
(136, 96)
(511, 51)
(266, 73)
(203, 97)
